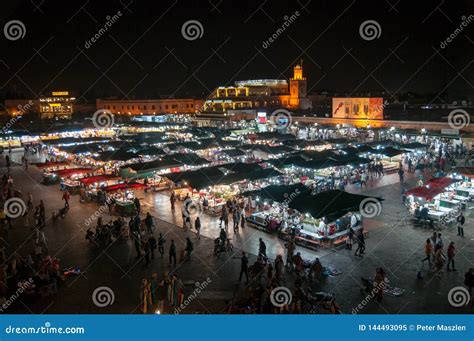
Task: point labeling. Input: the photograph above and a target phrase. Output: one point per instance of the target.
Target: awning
(123, 186)
(432, 188)
(98, 178)
(279, 193)
(466, 171)
(222, 175)
(330, 204)
(66, 173)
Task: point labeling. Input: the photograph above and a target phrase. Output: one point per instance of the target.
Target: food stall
(334, 209)
(464, 189)
(213, 186)
(269, 205)
(121, 197)
(91, 185)
(434, 202)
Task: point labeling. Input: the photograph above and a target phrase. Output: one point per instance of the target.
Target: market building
(261, 93)
(59, 104)
(150, 106)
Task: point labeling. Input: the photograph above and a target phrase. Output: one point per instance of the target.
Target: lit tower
(297, 86)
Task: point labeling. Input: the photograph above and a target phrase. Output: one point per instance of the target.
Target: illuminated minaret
(297, 86)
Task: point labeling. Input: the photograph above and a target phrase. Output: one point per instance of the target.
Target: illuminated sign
(54, 104)
(60, 93)
(358, 108)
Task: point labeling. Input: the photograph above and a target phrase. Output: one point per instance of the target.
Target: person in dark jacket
(244, 267)
(461, 220)
(152, 243)
(161, 244)
(360, 243)
(262, 248)
(149, 223)
(197, 225)
(189, 248)
(172, 253)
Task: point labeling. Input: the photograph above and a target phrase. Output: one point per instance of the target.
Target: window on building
(133, 107)
(152, 107)
(144, 107)
(166, 106)
(113, 107)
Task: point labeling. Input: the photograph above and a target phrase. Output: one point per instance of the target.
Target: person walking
(439, 243)
(225, 217)
(360, 243)
(290, 247)
(66, 197)
(279, 264)
(136, 202)
(451, 253)
(401, 174)
(428, 251)
(136, 241)
(197, 226)
(244, 267)
(172, 253)
(30, 201)
(262, 248)
(149, 223)
(350, 237)
(189, 248)
(152, 243)
(438, 262)
(235, 218)
(146, 252)
(172, 200)
(460, 221)
(161, 244)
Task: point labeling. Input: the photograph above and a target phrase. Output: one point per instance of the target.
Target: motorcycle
(222, 247)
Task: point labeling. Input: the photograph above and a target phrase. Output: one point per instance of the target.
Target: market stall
(324, 218)
(434, 203)
(121, 198)
(69, 174)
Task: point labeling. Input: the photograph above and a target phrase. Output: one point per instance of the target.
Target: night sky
(144, 54)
